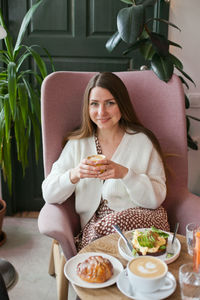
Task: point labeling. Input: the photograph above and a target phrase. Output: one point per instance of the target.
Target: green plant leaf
(193, 118)
(34, 99)
(147, 51)
(23, 101)
(25, 23)
(184, 82)
(174, 44)
(7, 163)
(164, 21)
(7, 115)
(176, 61)
(191, 143)
(162, 67)
(4, 58)
(130, 23)
(39, 61)
(12, 87)
(22, 58)
(37, 134)
(160, 43)
(186, 75)
(2, 127)
(127, 1)
(187, 102)
(138, 44)
(113, 41)
(50, 59)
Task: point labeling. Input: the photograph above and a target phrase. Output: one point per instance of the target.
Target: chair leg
(51, 261)
(62, 282)
(56, 267)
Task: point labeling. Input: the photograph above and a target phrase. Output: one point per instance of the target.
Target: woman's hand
(110, 169)
(86, 169)
(103, 169)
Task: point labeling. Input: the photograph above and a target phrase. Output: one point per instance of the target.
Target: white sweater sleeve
(147, 189)
(57, 187)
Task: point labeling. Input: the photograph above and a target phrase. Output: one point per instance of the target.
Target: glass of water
(191, 229)
(189, 282)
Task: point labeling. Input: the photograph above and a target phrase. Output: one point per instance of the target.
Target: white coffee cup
(147, 274)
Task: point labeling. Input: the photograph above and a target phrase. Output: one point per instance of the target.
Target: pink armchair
(159, 105)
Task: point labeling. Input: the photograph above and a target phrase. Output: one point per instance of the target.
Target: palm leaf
(50, 59)
(12, 87)
(7, 163)
(37, 134)
(40, 63)
(23, 100)
(25, 23)
(34, 99)
(7, 115)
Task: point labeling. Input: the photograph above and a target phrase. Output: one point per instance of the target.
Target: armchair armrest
(60, 222)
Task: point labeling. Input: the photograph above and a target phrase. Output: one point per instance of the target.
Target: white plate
(126, 254)
(71, 264)
(124, 286)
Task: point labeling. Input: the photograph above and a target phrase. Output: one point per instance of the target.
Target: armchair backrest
(159, 105)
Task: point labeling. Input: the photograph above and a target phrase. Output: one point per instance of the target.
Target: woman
(129, 186)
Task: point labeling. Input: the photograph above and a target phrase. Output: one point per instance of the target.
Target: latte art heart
(147, 267)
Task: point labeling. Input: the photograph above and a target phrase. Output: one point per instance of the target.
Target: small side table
(108, 244)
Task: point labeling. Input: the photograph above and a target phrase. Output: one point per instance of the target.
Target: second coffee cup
(147, 274)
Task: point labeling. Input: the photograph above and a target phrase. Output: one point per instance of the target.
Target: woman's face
(103, 108)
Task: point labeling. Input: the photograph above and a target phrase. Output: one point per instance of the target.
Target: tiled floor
(29, 251)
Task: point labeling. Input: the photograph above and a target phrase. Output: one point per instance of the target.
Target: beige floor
(29, 251)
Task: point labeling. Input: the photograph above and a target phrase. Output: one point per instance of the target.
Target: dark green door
(75, 33)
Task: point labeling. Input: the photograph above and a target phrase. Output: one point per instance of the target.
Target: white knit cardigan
(144, 185)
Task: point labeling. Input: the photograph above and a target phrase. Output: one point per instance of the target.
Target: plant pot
(2, 214)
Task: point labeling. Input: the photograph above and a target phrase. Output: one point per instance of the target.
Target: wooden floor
(27, 214)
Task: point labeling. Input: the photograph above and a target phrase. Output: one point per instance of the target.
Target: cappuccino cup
(96, 158)
(147, 274)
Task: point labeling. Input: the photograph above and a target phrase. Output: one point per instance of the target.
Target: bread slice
(150, 242)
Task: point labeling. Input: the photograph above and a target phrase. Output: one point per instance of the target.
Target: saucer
(124, 286)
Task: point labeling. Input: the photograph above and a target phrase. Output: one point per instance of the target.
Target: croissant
(95, 269)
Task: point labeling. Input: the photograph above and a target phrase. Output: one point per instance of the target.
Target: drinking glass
(189, 282)
(191, 229)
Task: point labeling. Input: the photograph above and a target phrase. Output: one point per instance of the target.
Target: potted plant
(2, 214)
(135, 30)
(19, 98)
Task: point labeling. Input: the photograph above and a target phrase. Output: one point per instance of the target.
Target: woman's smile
(103, 108)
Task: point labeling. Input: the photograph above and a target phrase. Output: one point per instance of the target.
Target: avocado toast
(151, 241)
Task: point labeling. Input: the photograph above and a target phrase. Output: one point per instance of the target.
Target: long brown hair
(129, 119)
